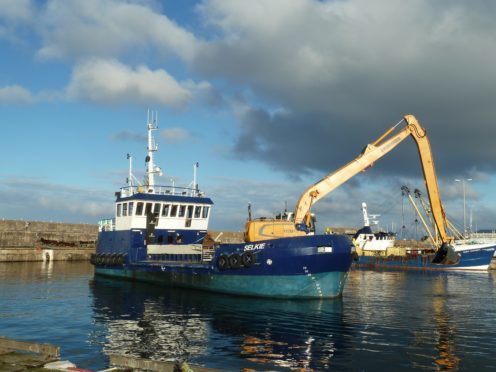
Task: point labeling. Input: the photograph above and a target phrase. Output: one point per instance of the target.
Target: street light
(464, 218)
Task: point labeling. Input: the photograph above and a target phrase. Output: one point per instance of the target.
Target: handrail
(161, 190)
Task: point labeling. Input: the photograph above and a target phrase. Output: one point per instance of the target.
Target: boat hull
(300, 267)
(470, 259)
(323, 285)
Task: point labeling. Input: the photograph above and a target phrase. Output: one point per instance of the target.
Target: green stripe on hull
(323, 285)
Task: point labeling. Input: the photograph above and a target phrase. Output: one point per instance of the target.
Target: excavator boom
(371, 153)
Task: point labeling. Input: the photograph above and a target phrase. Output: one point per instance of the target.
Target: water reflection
(171, 324)
(47, 268)
(385, 320)
(434, 321)
(32, 272)
(445, 326)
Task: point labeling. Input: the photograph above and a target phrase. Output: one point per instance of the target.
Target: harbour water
(389, 320)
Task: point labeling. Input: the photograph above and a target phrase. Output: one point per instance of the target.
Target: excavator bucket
(446, 255)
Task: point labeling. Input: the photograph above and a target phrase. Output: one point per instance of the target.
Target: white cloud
(111, 82)
(13, 15)
(16, 10)
(345, 70)
(126, 135)
(41, 200)
(345, 56)
(175, 135)
(15, 94)
(74, 29)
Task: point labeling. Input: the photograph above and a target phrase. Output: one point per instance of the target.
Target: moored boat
(369, 240)
(461, 255)
(466, 257)
(159, 234)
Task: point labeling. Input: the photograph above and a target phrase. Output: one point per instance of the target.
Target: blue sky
(267, 96)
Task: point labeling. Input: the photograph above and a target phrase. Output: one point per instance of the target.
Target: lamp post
(464, 215)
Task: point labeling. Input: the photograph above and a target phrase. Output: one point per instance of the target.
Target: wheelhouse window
(156, 209)
(205, 212)
(124, 209)
(198, 211)
(118, 213)
(148, 208)
(165, 210)
(139, 209)
(173, 210)
(182, 211)
(189, 213)
(130, 209)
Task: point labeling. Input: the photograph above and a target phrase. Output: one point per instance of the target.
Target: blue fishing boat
(465, 257)
(160, 234)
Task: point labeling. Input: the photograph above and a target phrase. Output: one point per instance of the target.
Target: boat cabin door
(152, 216)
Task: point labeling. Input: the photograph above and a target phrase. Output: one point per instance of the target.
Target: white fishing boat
(368, 240)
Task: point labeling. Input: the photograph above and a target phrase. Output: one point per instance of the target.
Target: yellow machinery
(300, 222)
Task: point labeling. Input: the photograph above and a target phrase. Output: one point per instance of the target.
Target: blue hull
(300, 267)
(470, 259)
(323, 285)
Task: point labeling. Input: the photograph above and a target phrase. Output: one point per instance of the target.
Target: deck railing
(106, 224)
(160, 190)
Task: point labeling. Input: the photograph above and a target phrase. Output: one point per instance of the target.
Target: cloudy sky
(268, 96)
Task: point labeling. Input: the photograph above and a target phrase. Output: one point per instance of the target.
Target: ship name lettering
(254, 247)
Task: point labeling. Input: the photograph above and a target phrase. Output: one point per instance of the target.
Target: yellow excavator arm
(257, 230)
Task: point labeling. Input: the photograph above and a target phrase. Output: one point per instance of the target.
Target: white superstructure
(367, 240)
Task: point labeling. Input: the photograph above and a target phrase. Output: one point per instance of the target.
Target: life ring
(248, 259)
(234, 261)
(223, 262)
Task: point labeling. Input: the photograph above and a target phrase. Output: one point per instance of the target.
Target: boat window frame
(139, 208)
(154, 209)
(124, 209)
(165, 210)
(182, 211)
(189, 211)
(130, 209)
(198, 211)
(205, 212)
(173, 211)
(148, 210)
(118, 210)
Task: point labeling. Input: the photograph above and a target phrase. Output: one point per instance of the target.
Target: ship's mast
(366, 221)
(130, 177)
(151, 168)
(369, 218)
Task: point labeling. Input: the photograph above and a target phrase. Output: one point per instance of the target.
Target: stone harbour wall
(28, 240)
